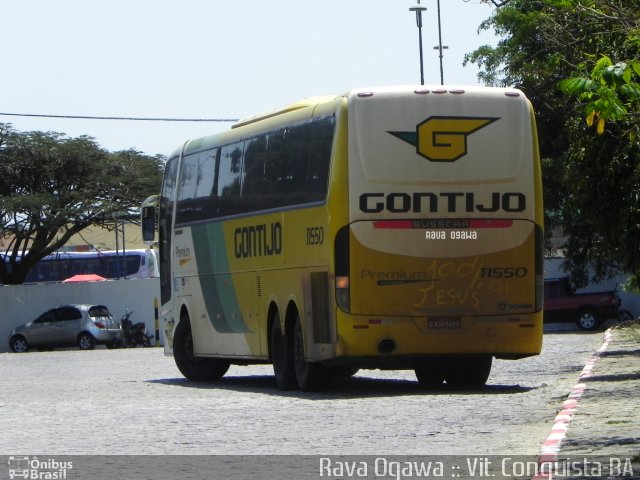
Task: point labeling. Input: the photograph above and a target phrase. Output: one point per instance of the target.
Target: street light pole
(440, 45)
(419, 9)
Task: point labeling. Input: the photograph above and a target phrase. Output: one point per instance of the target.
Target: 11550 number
(315, 235)
(503, 272)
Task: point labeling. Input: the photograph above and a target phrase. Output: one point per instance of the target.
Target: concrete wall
(20, 304)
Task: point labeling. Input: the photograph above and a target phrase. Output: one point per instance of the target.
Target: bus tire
(282, 356)
(197, 369)
(309, 376)
(430, 376)
(468, 371)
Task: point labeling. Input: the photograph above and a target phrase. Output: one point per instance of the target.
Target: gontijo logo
(443, 139)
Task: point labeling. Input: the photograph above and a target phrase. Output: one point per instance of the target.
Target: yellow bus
(386, 228)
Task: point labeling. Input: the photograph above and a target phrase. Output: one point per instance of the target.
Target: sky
(212, 59)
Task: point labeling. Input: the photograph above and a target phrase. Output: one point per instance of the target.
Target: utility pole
(440, 47)
(419, 9)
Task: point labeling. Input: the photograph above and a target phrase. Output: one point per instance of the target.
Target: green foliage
(52, 187)
(610, 94)
(578, 61)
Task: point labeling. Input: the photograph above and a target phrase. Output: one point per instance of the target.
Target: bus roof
(270, 118)
(305, 103)
(203, 143)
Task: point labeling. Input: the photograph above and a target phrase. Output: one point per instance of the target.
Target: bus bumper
(389, 340)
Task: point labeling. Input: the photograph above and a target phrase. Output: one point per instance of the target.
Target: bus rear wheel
(468, 371)
(309, 376)
(430, 375)
(282, 356)
(198, 369)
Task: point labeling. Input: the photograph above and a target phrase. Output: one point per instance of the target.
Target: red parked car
(588, 310)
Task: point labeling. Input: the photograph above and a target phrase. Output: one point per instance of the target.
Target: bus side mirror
(148, 223)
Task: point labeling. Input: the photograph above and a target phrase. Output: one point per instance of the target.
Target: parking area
(135, 401)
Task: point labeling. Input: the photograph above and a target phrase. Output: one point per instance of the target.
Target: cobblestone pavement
(135, 401)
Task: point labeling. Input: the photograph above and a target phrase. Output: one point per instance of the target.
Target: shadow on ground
(357, 387)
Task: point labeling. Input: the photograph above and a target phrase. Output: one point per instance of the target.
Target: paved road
(136, 402)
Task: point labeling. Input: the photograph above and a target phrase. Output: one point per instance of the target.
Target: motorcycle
(134, 334)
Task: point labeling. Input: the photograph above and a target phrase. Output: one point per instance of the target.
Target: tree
(607, 144)
(52, 187)
(609, 93)
(588, 129)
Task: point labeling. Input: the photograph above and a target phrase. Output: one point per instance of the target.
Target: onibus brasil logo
(38, 469)
(443, 139)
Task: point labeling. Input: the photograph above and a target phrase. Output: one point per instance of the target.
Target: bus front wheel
(198, 369)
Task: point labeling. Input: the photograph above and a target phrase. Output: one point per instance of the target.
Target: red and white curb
(551, 446)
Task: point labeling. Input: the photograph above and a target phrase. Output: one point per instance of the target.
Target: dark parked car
(588, 310)
(66, 326)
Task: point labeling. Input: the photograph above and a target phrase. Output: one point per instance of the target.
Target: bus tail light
(342, 268)
(342, 293)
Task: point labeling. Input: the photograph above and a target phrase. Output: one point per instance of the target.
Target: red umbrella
(91, 277)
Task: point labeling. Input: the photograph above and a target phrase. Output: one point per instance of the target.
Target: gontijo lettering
(452, 202)
(258, 240)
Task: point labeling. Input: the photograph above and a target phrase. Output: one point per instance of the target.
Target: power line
(138, 119)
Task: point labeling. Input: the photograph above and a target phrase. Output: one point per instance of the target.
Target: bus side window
(63, 269)
(186, 188)
(296, 151)
(321, 144)
(253, 185)
(205, 176)
(133, 263)
(229, 178)
(273, 176)
(286, 166)
(195, 187)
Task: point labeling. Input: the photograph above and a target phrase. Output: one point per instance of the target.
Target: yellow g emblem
(444, 139)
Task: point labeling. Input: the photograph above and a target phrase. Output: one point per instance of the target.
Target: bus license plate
(444, 323)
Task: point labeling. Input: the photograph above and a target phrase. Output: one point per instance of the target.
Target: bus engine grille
(320, 307)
